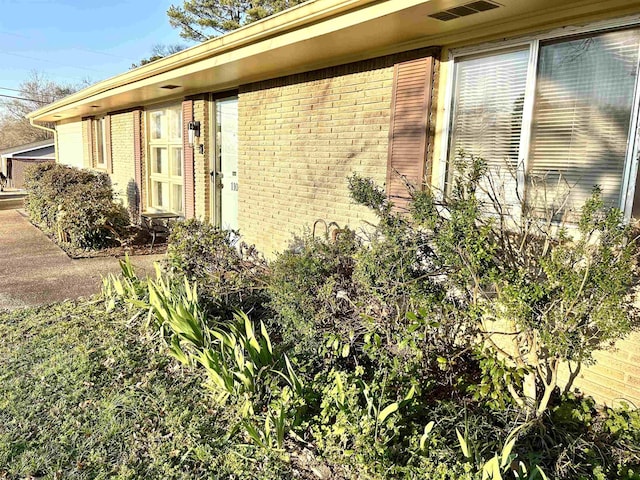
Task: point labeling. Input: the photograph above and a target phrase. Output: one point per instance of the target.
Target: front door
(225, 175)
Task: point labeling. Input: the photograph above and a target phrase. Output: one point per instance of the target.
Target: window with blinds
(488, 104)
(581, 117)
(582, 114)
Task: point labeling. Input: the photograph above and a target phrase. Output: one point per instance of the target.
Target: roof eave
(291, 19)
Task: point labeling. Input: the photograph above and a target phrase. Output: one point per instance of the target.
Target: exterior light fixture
(194, 131)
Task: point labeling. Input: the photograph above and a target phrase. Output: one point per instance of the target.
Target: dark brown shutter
(410, 131)
(188, 171)
(138, 158)
(107, 143)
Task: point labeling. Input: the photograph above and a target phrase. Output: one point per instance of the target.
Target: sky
(72, 41)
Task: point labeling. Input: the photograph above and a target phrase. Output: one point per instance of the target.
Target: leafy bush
(381, 357)
(310, 289)
(536, 293)
(229, 274)
(77, 206)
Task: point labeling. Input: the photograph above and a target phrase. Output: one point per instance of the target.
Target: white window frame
(169, 144)
(533, 43)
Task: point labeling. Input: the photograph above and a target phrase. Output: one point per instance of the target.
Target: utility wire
(23, 91)
(52, 61)
(88, 50)
(42, 102)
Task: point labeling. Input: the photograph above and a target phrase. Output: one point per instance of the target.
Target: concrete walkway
(34, 271)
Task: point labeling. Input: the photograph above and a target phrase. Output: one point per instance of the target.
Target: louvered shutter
(410, 129)
(582, 113)
(488, 101)
(188, 152)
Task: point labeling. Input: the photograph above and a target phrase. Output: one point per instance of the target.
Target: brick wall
(202, 164)
(87, 144)
(300, 137)
(122, 158)
(615, 376)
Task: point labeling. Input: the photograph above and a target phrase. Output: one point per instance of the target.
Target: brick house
(258, 129)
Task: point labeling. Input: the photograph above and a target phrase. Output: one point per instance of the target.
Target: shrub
(536, 293)
(346, 302)
(77, 206)
(229, 274)
(378, 358)
(311, 289)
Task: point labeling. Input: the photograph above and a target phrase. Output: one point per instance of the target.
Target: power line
(23, 91)
(51, 61)
(26, 99)
(73, 47)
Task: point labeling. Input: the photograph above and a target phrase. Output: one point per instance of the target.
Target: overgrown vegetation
(429, 350)
(76, 206)
(230, 274)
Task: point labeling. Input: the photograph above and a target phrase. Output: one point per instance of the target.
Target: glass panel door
(225, 178)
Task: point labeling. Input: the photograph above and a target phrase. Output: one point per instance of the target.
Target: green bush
(522, 288)
(76, 206)
(347, 302)
(228, 274)
(310, 289)
(376, 358)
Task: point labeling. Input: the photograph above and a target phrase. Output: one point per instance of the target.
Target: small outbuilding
(14, 160)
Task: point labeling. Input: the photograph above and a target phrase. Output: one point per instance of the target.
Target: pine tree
(159, 51)
(201, 20)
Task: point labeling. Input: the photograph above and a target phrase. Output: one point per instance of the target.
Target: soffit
(312, 37)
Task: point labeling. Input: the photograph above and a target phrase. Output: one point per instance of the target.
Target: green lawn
(86, 394)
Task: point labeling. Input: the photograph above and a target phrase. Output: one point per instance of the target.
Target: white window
(100, 132)
(165, 159)
(552, 119)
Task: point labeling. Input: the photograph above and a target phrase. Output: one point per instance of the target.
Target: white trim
(10, 155)
(211, 160)
(633, 143)
(631, 159)
(448, 118)
(527, 119)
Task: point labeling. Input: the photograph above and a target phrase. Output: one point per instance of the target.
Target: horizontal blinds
(487, 115)
(582, 112)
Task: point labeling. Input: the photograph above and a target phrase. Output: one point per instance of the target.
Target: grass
(86, 394)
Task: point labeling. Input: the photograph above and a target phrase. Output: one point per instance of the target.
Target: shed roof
(44, 149)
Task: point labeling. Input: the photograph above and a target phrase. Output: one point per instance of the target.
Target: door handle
(216, 178)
